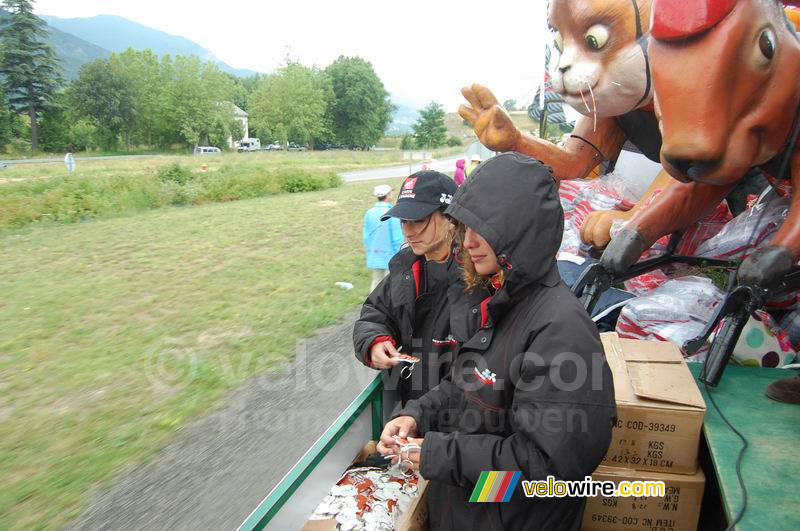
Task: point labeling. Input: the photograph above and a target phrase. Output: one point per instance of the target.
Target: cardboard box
(659, 407)
(678, 510)
(415, 519)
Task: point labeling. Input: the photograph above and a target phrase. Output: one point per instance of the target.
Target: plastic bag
(579, 198)
(679, 310)
(676, 311)
(692, 239)
(747, 232)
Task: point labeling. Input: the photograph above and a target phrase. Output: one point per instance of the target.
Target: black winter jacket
(530, 390)
(411, 306)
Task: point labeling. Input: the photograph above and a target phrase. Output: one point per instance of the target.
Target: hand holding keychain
(410, 361)
(406, 465)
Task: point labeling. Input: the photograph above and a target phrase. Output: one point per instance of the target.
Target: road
(61, 160)
(445, 165)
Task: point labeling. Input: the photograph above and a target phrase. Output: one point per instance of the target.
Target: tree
(361, 108)
(510, 105)
(430, 129)
(243, 87)
(54, 125)
(29, 66)
(141, 72)
(5, 124)
(103, 94)
(407, 143)
(196, 94)
(291, 105)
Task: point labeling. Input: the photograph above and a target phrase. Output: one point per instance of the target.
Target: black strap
(643, 43)
(602, 156)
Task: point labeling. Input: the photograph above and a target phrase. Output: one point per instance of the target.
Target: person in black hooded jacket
(409, 312)
(530, 390)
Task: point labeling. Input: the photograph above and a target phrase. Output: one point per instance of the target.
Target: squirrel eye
(558, 41)
(766, 42)
(596, 37)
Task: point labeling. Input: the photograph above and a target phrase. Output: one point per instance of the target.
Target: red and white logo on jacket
(449, 340)
(486, 376)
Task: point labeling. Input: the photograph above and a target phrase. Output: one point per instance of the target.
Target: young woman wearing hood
(530, 390)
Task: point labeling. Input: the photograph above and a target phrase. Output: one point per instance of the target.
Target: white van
(207, 150)
(248, 144)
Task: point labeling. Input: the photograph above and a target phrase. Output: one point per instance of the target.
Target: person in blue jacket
(382, 239)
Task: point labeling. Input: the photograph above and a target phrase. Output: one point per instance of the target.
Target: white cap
(475, 158)
(381, 190)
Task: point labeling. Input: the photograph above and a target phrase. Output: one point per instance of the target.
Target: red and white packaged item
(581, 197)
(676, 311)
(692, 239)
(747, 232)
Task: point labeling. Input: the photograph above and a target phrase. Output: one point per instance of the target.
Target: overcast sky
(422, 50)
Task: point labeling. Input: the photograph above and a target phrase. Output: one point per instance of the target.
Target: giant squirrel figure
(602, 72)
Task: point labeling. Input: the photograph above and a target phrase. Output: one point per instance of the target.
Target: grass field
(337, 160)
(88, 308)
(45, 193)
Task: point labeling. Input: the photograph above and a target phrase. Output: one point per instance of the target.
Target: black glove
(623, 251)
(766, 266)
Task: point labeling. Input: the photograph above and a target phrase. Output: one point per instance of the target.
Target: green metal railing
(269, 507)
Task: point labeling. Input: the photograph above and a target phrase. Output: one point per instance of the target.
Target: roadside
(445, 165)
(97, 314)
(222, 465)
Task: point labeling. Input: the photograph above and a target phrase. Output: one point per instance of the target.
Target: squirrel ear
(678, 19)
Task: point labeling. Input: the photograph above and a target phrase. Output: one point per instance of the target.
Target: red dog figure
(727, 96)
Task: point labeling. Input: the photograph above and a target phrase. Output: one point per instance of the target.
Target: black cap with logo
(421, 194)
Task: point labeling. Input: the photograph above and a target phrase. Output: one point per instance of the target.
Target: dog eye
(766, 42)
(596, 37)
(558, 42)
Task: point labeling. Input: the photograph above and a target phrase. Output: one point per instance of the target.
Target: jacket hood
(511, 200)
(460, 163)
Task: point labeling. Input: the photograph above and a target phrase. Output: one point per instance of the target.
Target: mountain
(74, 52)
(117, 34)
(402, 120)
(71, 51)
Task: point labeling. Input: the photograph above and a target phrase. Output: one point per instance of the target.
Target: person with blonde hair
(529, 390)
(408, 313)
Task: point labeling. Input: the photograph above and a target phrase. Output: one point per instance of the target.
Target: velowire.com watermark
(498, 486)
(553, 488)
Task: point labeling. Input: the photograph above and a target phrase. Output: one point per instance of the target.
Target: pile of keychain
(372, 498)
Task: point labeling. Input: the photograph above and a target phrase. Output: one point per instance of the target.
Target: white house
(242, 116)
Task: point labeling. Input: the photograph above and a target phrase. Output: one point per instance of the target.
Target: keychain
(405, 372)
(406, 465)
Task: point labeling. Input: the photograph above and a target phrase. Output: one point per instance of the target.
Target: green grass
(336, 160)
(86, 305)
(106, 188)
(525, 123)
(78, 198)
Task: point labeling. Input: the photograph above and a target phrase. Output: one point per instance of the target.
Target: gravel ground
(222, 465)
